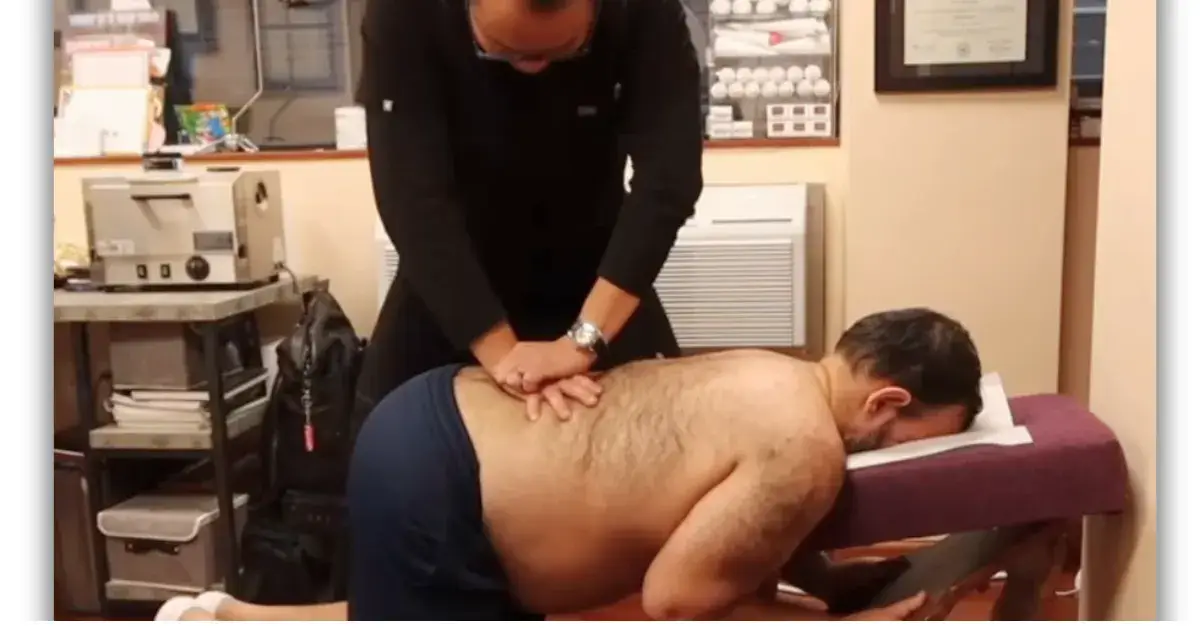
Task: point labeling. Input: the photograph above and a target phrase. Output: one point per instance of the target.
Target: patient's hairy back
(655, 415)
(599, 494)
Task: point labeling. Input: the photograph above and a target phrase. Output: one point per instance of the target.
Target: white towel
(993, 426)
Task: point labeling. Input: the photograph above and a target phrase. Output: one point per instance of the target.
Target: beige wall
(956, 201)
(1119, 552)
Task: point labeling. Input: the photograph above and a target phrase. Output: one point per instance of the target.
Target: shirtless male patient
(691, 481)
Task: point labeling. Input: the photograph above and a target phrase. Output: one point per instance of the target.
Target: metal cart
(209, 312)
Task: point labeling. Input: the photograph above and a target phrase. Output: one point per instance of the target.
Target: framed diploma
(954, 45)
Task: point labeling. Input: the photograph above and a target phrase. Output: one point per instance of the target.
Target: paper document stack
(993, 426)
(182, 409)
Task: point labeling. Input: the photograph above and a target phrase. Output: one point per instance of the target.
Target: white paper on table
(109, 69)
(78, 137)
(993, 426)
(123, 116)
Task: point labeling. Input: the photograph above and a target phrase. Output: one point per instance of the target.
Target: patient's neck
(843, 392)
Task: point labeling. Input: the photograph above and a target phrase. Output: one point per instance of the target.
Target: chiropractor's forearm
(609, 308)
(494, 344)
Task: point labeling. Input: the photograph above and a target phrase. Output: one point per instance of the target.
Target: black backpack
(284, 565)
(308, 430)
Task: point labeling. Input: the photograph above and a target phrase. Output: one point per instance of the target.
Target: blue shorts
(419, 548)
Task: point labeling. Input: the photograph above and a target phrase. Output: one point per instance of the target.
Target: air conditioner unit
(736, 276)
(386, 259)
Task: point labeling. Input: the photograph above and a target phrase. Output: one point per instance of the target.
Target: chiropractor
(498, 134)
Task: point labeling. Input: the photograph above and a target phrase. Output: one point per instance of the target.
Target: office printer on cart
(177, 229)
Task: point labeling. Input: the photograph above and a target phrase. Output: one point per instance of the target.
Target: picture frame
(995, 51)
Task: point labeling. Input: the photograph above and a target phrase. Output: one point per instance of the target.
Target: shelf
(114, 439)
(129, 591)
(172, 307)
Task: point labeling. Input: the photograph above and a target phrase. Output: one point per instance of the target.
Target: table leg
(221, 458)
(1028, 576)
(93, 471)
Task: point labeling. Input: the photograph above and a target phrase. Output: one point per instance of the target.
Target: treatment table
(1006, 508)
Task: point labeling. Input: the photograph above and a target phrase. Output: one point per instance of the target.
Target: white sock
(174, 608)
(211, 600)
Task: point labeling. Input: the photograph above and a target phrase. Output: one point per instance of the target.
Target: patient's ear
(884, 405)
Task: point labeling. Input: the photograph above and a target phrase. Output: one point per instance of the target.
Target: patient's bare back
(593, 499)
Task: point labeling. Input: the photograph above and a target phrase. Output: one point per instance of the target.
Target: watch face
(585, 335)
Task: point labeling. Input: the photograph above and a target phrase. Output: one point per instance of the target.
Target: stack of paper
(993, 426)
(179, 409)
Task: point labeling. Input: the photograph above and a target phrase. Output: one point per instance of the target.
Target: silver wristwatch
(586, 336)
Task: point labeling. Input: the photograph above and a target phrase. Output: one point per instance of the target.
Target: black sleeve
(408, 147)
(664, 129)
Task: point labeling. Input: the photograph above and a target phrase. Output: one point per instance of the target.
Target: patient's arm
(742, 531)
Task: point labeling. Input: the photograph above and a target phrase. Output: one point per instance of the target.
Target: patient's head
(903, 375)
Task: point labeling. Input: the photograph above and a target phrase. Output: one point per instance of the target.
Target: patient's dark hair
(928, 354)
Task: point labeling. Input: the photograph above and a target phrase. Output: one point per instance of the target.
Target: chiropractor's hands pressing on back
(552, 372)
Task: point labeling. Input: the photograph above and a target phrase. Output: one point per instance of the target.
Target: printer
(219, 228)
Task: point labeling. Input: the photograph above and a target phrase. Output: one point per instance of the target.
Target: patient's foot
(183, 608)
(196, 614)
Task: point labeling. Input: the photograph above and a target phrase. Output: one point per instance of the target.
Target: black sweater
(500, 189)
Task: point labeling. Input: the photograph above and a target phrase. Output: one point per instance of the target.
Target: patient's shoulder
(795, 433)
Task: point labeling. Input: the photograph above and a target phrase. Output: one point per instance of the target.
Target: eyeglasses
(538, 57)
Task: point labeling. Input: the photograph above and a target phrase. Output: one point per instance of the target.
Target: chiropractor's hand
(561, 394)
(529, 366)
(553, 373)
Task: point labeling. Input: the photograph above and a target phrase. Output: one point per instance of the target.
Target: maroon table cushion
(1074, 467)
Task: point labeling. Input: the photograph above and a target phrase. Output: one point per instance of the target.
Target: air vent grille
(731, 293)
